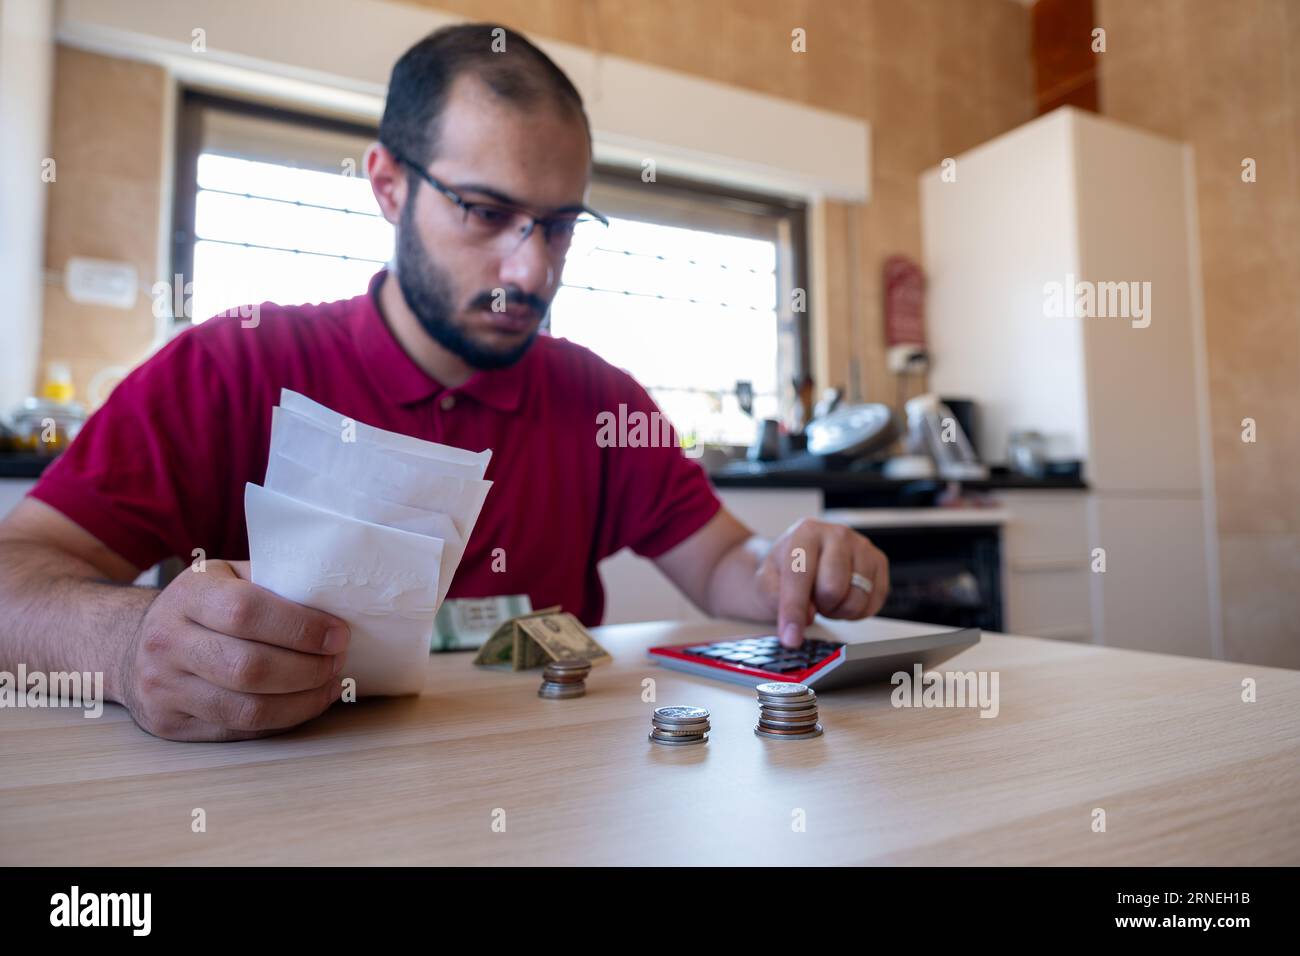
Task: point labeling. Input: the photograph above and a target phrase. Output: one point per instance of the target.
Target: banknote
(557, 637)
(500, 648)
(531, 640)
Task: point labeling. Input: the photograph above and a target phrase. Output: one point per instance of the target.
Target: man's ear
(388, 181)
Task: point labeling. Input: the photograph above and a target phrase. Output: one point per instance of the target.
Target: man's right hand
(218, 658)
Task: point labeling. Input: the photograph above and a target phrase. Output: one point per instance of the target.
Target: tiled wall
(104, 204)
(933, 77)
(1224, 75)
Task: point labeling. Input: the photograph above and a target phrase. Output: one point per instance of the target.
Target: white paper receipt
(367, 525)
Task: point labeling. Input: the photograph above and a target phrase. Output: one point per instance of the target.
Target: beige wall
(1225, 77)
(106, 137)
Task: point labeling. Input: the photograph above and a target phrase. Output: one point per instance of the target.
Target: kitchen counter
(758, 475)
(916, 517)
(23, 466)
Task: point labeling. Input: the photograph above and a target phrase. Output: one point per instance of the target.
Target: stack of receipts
(367, 525)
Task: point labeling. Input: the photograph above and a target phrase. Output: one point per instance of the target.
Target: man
(482, 167)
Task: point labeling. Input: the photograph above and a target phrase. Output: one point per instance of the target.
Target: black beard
(427, 293)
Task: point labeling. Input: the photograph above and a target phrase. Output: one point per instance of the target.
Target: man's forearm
(59, 613)
(732, 592)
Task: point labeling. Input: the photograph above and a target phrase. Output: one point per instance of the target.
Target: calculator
(873, 650)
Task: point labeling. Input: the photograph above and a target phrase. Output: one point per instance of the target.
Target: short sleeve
(657, 497)
(145, 474)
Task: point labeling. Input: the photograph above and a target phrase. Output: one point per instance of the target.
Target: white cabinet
(1069, 208)
(1152, 595)
(1046, 591)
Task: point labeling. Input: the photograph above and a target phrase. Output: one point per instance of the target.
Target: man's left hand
(818, 567)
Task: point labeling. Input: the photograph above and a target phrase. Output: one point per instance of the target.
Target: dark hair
(421, 81)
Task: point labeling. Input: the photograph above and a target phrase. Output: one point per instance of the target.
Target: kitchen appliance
(852, 430)
(933, 429)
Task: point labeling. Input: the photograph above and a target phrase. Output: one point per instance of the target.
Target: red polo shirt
(160, 469)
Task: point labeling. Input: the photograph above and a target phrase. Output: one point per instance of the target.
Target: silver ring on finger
(862, 582)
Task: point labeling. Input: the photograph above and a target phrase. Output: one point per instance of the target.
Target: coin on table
(569, 664)
(767, 721)
(680, 715)
(782, 689)
(681, 731)
(788, 735)
(680, 741)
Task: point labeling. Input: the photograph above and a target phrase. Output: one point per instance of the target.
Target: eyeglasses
(491, 222)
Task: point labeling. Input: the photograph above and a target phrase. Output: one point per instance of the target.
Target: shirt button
(448, 402)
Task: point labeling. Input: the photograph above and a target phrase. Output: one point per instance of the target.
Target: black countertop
(23, 466)
(867, 489)
(759, 477)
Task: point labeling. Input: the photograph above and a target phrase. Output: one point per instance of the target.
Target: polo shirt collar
(405, 383)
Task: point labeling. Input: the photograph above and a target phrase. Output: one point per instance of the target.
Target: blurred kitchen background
(833, 221)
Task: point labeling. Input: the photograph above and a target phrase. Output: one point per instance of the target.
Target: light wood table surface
(1186, 772)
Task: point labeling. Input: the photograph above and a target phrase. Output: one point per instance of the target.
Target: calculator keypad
(766, 653)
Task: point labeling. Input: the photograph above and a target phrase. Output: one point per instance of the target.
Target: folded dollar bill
(530, 640)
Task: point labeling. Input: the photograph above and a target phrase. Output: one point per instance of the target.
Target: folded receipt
(368, 525)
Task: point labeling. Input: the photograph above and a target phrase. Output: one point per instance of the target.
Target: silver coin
(670, 732)
(679, 741)
(677, 715)
(681, 732)
(791, 701)
(787, 721)
(815, 732)
(810, 704)
(787, 715)
(561, 691)
(788, 711)
(678, 723)
(781, 689)
(662, 732)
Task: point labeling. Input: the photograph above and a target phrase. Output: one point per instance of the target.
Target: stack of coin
(566, 678)
(787, 711)
(677, 726)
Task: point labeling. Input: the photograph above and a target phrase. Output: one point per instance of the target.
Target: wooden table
(1186, 772)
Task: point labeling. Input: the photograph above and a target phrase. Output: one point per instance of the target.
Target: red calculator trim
(796, 677)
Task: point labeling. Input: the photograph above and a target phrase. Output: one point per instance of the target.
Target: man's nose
(531, 267)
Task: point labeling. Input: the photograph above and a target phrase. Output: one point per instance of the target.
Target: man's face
(451, 272)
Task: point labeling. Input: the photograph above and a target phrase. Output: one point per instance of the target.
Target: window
(689, 289)
(273, 207)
